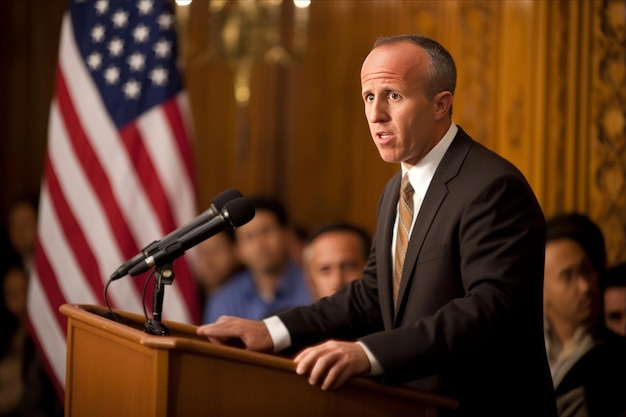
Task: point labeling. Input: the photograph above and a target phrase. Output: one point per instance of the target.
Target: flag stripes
(116, 178)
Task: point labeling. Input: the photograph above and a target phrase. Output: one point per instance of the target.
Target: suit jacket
(468, 322)
(596, 385)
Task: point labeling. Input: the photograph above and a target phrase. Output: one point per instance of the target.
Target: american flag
(119, 169)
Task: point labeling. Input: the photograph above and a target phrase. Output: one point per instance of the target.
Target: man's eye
(615, 316)
(369, 97)
(569, 275)
(394, 96)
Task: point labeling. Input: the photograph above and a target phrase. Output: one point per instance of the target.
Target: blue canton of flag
(128, 47)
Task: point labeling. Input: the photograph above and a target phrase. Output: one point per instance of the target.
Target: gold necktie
(405, 219)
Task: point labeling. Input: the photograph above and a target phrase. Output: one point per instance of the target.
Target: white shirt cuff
(375, 367)
(278, 332)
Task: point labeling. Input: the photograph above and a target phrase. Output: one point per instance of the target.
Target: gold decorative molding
(608, 131)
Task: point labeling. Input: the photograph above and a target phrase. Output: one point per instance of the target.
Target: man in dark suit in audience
(587, 362)
(451, 297)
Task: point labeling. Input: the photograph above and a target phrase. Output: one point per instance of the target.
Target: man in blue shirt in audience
(272, 282)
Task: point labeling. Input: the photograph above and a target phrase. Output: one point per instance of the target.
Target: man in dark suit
(462, 315)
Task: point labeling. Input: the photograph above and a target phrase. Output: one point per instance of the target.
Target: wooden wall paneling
(576, 177)
(607, 125)
(334, 164)
(210, 86)
(15, 57)
(556, 152)
(260, 157)
(29, 41)
(567, 104)
(44, 44)
(474, 45)
(15, 140)
(541, 103)
(515, 88)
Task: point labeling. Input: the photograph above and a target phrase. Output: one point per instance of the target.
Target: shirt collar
(424, 170)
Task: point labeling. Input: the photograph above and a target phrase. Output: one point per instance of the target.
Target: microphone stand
(163, 275)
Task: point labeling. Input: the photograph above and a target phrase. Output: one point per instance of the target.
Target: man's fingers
(319, 363)
(235, 331)
(332, 363)
(320, 370)
(304, 361)
(338, 380)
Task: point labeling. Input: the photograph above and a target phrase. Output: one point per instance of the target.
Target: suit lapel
(435, 195)
(384, 235)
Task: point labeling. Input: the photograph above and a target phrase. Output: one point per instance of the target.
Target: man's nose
(376, 112)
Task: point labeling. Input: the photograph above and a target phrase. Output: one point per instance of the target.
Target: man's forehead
(392, 61)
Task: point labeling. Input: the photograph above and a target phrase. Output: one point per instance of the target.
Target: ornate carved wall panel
(607, 124)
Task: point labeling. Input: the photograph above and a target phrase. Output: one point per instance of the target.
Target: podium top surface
(183, 338)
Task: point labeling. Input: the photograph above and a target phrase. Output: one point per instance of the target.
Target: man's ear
(443, 104)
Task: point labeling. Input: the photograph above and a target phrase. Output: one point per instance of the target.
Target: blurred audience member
(215, 261)
(22, 228)
(25, 387)
(13, 340)
(272, 281)
(588, 369)
(614, 297)
(335, 255)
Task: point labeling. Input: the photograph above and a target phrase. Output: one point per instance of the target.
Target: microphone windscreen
(224, 197)
(238, 211)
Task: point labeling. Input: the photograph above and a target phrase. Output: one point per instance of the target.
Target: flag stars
(132, 89)
(97, 33)
(116, 47)
(165, 21)
(112, 75)
(141, 33)
(159, 76)
(120, 19)
(94, 61)
(102, 6)
(162, 48)
(145, 6)
(136, 61)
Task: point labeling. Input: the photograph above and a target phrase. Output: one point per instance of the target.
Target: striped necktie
(405, 219)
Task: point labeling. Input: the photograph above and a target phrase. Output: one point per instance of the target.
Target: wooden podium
(116, 369)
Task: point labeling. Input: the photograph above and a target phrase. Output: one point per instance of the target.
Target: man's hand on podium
(331, 363)
(235, 331)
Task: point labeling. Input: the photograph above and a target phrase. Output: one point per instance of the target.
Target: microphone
(216, 206)
(235, 213)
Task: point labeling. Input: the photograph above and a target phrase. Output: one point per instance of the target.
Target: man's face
(570, 284)
(615, 309)
(15, 289)
(332, 260)
(261, 243)
(23, 228)
(402, 121)
(215, 260)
